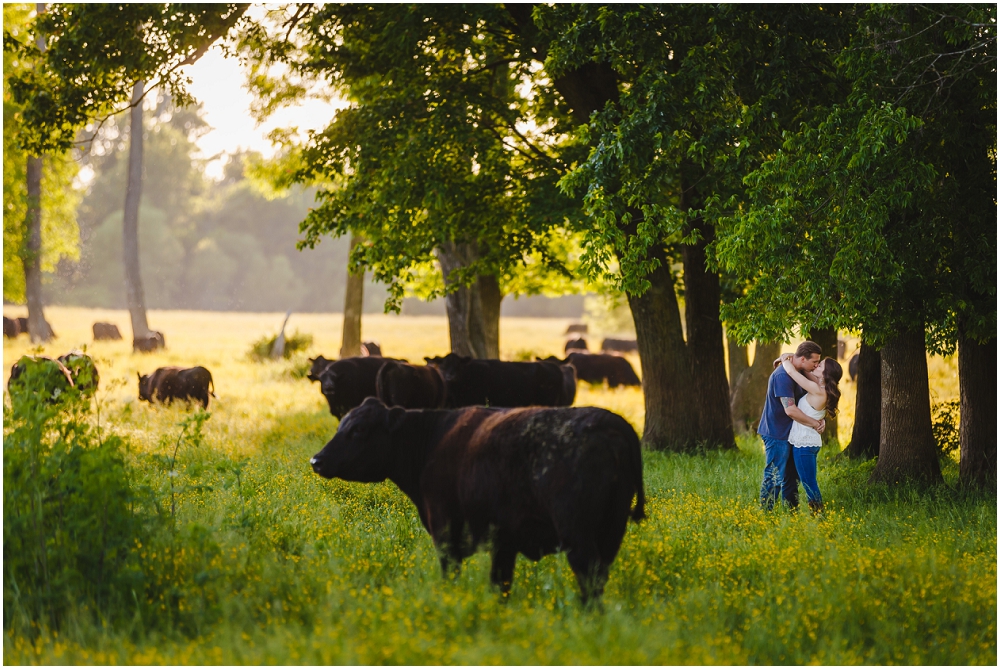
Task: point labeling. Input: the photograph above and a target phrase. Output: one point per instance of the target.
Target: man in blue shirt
(780, 410)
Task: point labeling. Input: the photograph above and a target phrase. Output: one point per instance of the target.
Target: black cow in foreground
(346, 383)
(620, 345)
(148, 343)
(601, 367)
(316, 367)
(106, 332)
(401, 384)
(167, 384)
(498, 383)
(532, 481)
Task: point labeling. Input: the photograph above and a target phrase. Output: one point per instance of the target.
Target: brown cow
(370, 348)
(10, 327)
(149, 343)
(532, 481)
(167, 384)
(106, 331)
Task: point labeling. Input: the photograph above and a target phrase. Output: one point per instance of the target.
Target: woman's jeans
(805, 463)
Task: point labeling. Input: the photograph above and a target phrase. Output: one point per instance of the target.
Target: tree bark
(978, 423)
(906, 451)
(354, 298)
(750, 391)
(739, 362)
(473, 311)
(827, 339)
(130, 234)
(490, 298)
(865, 437)
(705, 343)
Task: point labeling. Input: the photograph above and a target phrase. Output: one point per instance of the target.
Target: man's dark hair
(807, 348)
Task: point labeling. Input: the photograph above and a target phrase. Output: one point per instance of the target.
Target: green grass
(267, 563)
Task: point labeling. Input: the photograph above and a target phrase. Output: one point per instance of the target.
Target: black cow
(83, 370)
(532, 481)
(620, 345)
(499, 383)
(409, 386)
(167, 384)
(346, 383)
(370, 348)
(316, 367)
(852, 366)
(45, 376)
(22, 324)
(149, 343)
(577, 328)
(106, 331)
(600, 367)
(10, 327)
(578, 344)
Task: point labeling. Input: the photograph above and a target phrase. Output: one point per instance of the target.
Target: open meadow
(259, 561)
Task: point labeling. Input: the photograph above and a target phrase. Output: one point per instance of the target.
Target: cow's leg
(591, 572)
(447, 542)
(502, 568)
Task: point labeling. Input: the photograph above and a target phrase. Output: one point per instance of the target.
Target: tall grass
(264, 562)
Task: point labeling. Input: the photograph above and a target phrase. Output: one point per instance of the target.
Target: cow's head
(316, 367)
(362, 448)
(328, 382)
(145, 387)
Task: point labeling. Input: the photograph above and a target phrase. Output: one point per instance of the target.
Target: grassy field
(264, 562)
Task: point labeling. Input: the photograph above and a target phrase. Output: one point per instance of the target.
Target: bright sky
(218, 83)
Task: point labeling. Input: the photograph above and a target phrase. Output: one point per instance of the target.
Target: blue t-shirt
(774, 422)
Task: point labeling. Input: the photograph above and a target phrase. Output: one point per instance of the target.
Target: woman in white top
(821, 399)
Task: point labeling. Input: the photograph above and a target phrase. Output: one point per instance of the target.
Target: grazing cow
(370, 348)
(316, 367)
(47, 377)
(578, 344)
(346, 383)
(852, 366)
(498, 383)
(106, 331)
(620, 345)
(83, 370)
(10, 327)
(532, 481)
(577, 328)
(167, 384)
(151, 342)
(600, 367)
(409, 386)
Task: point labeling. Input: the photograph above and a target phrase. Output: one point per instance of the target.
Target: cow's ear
(139, 375)
(394, 418)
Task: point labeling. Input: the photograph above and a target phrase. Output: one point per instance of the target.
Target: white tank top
(801, 435)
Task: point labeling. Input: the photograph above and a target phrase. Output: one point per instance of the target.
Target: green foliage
(944, 426)
(260, 350)
(71, 519)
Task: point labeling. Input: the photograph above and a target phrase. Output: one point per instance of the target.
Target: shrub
(261, 349)
(944, 425)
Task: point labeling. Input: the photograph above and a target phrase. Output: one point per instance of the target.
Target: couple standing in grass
(801, 392)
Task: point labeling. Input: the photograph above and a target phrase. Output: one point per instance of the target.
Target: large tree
(883, 216)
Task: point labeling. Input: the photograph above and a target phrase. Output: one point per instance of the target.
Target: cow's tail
(211, 383)
(635, 451)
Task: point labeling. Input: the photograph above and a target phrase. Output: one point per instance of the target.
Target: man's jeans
(780, 475)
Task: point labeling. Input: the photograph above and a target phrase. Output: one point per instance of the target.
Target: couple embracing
(801, 392)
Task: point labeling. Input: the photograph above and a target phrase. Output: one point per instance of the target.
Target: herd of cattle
(490, 452)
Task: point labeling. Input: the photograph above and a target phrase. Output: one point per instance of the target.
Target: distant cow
(106, 331)
(577, 328)
(167, 384)
(151, 342)
(370, 348)
(852, 366)
(346, 383)
(47, 377)
(620, 345)
(532, 481)
(410, 386)
(316, 367)
(22, 324)
(83, 371)
(498, 383)
(10, 327)
(578, 344)
(601, 367)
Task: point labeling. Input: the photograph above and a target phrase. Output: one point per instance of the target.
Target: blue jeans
(780, 476)
(805, 463)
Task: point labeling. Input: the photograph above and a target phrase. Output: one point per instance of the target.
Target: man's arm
(798, 416)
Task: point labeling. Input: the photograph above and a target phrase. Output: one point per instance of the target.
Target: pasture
(266, 563)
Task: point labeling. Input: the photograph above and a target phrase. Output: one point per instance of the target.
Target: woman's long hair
(832, 373)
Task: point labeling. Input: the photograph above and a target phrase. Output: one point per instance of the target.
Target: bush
(261, 349)
(70, 520)
(944, 426)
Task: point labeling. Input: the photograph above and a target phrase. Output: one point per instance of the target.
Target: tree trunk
(750, 391)
(354, 298)
(865, 437)
(705, 344)
(473, 311)
(978, 423)
(130, 234)
(827, 339)
(739, 362)
(907, 448)
(38, 328)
